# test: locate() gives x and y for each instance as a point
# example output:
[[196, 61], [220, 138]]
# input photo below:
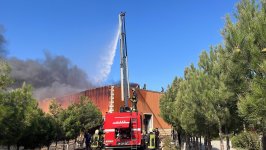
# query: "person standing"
[[87, 137], [151, 140], [157, 137], [95, 140]]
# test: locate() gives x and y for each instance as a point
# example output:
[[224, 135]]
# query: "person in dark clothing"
[[134, 100], [147, 140], [144, 139], [87, 137], [157, 137]]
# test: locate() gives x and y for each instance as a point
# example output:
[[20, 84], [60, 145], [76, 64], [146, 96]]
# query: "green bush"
[[246, 140], [168, 143]]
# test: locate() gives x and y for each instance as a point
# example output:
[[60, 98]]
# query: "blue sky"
[[163, 36]]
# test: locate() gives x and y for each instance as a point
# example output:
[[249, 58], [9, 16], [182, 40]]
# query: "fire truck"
[[123, 129]]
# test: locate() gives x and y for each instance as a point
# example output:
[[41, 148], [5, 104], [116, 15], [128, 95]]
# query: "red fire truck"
[[124, 129]]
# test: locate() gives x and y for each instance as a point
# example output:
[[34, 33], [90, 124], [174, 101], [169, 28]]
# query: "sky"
[[163, 37]]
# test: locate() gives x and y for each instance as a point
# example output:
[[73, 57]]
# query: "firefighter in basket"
[[96, 141], [134, 100], [150, 140]]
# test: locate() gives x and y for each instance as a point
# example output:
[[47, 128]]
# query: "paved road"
[[216, 145]]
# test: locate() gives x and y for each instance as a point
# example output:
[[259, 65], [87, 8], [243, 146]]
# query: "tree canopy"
[[22, 123], [226, 90]]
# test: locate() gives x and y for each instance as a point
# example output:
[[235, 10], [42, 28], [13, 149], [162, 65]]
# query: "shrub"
[[168, 144], [246, 140]]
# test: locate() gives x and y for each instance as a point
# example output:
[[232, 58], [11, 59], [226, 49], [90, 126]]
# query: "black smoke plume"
[[52, 77], [2, 43]]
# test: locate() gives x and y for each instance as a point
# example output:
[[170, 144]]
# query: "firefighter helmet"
[[97, 131]]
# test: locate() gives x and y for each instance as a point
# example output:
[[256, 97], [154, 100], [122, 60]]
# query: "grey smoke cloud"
[[52, 77], [2, 43]]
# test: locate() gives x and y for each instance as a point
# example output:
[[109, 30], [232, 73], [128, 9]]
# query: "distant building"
[[108, 99]]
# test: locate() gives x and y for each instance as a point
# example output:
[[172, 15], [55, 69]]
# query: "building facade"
[[108, 99]]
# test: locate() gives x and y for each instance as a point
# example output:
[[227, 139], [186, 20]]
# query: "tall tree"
[[89, 115], [226, 76], [40, 132], [18, 107], [247, 36], [57, 113], [167, 103], [217, 95], [252, 106], [5, 79], [80, 116]]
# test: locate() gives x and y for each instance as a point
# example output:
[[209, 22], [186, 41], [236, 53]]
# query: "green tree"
[[55, 108], [18, 106], [252, 106], [80, 116], [167, 103], [246, 75], [71, 124], [5, 79], [57, 113], [217, 95], [189, 103], [40, 132], [167, 106], [89, 115]]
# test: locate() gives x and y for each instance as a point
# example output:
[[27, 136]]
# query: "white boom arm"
[[125, 94]]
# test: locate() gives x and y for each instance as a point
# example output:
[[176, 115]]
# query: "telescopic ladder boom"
[[125, 94]]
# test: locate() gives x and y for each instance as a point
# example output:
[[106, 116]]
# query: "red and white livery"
[[123, 129]]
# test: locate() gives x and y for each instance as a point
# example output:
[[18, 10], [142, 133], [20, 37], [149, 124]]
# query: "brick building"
[[108, 99]]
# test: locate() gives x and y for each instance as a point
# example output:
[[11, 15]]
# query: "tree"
[[70, 122], [40, 132], [89, 115], [79, 117], [229, 80], [5, 79], [55, 109], [167, 107], [190, 104], [167, 103], [246, 76], [181, 104], [252, 107], [57, 113], [18, 106]]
